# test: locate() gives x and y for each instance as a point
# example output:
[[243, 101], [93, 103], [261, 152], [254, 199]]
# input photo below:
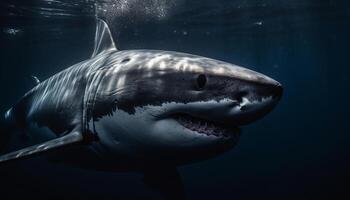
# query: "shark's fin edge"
[[36, 80], [103, 38], [70, 138]]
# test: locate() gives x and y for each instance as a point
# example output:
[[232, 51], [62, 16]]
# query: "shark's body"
[[141, 108]]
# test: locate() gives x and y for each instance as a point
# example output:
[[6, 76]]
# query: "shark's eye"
[[201, 81], [125, 60]]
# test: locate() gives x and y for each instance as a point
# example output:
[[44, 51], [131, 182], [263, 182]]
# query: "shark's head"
[[175, 107]]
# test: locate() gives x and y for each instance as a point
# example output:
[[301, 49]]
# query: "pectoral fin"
[[70, 138]]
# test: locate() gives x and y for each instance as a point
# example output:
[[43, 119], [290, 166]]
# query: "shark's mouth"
[[206, 127]]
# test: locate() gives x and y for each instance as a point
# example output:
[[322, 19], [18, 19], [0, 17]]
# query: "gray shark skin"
[[144, 106], [137, 109]]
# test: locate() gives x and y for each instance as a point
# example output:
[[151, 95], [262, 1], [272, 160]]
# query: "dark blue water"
[[299, 151]]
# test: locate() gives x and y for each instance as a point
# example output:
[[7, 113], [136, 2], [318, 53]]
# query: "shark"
[[144, 110]]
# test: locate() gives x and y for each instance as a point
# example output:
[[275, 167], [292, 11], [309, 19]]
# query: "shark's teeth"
[[205, 127]]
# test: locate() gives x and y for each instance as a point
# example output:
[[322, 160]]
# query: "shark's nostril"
[[277, 91]]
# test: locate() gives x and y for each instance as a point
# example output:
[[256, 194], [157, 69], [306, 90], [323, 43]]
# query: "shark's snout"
[[255, 96]]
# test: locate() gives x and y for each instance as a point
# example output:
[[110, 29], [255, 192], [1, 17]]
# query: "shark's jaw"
[[219, 120], [206, 127]]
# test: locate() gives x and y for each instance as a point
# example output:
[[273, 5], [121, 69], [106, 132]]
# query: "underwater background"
[[299, 151]]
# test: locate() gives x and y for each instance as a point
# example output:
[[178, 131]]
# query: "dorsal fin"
[[103, 38]]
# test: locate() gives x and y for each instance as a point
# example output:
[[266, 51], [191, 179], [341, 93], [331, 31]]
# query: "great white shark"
[[146, 110]]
